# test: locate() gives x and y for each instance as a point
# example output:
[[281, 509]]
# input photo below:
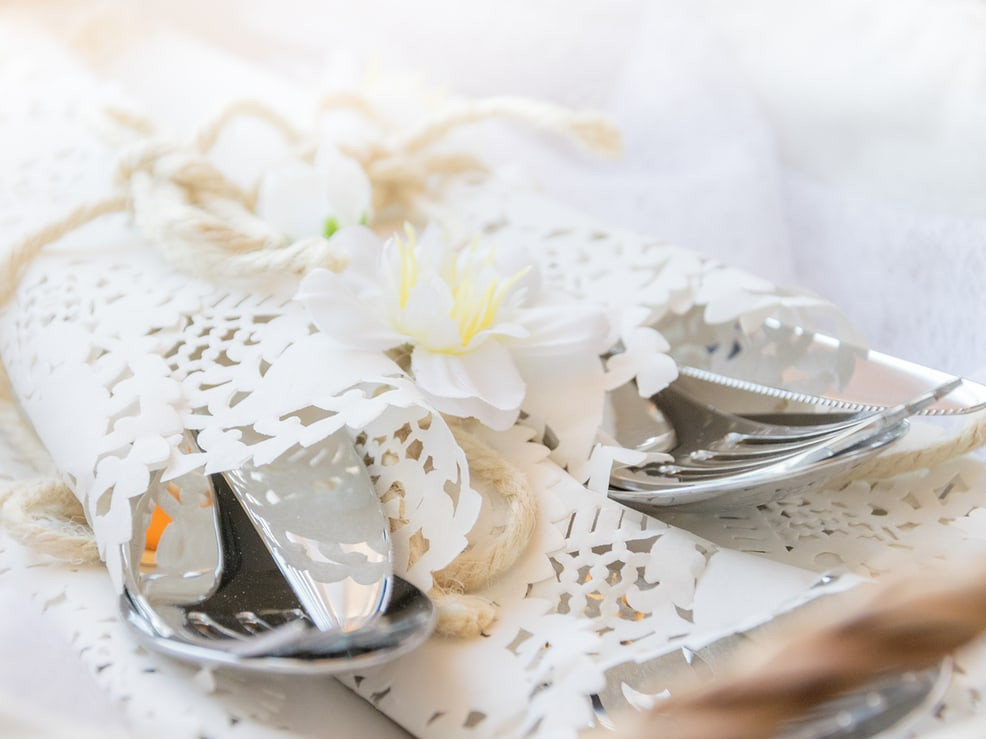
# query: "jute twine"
[[44, 514], [971, 436], [482, 562], [204, 223]]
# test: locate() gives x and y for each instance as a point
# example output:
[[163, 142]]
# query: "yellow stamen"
[[409, 264], [476, 315], [476, 295], [481, 316]]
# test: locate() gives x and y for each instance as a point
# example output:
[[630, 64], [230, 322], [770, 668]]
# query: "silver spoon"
[[250, 584]]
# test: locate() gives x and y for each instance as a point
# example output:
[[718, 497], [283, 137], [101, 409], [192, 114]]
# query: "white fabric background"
[[837, 145], [840, 146]]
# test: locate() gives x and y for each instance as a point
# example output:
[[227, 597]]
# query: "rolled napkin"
[[114, 351]]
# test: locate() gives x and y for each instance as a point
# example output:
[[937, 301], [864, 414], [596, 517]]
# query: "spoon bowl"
[[231, 604]]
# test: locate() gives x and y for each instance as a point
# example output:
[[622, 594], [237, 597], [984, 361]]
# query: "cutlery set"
[[282, 568], [286, 567], [720, 454], [725, 440]]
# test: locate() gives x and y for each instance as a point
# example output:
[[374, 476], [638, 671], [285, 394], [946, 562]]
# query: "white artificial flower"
[[484, 341], [304, 200]]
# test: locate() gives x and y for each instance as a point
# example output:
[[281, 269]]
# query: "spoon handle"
[[318, 514]]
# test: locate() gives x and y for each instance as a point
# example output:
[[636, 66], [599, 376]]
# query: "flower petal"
[[365, 251], [425, 316], [347, 189], [344, 315], [487, 373], [564, 329], [513, 259], [501, 329], [292, 198], [494, 418]]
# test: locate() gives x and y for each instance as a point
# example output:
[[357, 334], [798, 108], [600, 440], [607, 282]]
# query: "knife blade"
[[810, 370]]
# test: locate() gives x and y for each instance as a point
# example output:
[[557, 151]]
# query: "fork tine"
[[252, 623], [726, 451], [714, 468], [705, 465], [825, 446], [884, 420], [792, 433], [256, 635], [739, 447], [278, 639], [209, 628]]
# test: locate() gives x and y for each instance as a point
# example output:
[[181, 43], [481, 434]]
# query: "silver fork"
[[764, 444], [726, 460]]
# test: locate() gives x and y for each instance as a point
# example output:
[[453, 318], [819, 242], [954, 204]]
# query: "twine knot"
[[203, 222]]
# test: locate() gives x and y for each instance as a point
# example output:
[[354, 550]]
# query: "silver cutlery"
[[756, 416], [320, 518], [890, 704], [789, 367], [268, 574], [722, 459], [965, 398]]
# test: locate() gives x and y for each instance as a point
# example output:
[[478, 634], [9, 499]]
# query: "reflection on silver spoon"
[[267, 611]]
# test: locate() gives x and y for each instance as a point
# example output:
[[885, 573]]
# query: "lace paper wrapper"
[[113, 354]]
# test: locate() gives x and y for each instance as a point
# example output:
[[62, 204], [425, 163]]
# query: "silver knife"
[[789, 369]]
